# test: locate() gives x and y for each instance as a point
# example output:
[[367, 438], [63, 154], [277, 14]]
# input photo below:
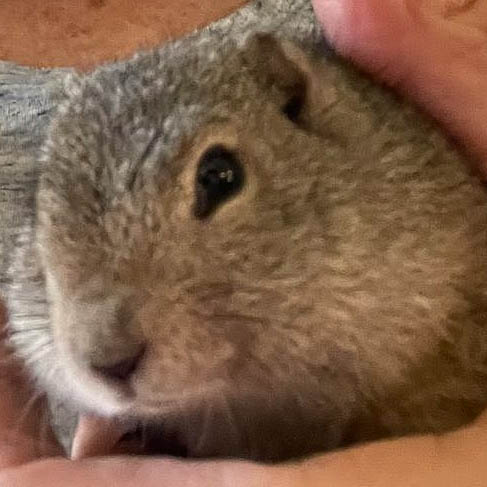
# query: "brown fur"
[[339, 297]]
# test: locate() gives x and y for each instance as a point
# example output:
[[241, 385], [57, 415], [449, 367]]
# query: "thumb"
[[374, 32], [364, 30]]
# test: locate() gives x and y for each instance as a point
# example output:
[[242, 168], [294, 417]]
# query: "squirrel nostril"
[[121, 370]]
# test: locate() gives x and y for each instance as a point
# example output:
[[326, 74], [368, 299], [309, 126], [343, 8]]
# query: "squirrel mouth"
[[97, 436]]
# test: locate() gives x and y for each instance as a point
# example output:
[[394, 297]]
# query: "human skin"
[[438, 57]]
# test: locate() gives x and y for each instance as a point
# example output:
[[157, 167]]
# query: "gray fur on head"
[[338, 297]]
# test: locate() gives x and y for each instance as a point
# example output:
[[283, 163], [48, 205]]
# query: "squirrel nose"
[[121, 370]]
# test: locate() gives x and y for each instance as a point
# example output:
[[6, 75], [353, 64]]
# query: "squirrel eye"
[[293, 108], [219, 177]]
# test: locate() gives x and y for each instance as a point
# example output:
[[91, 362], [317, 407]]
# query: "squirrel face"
[[254, 228], [179, 262]]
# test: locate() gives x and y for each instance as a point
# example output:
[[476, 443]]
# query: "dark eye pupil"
[[213, 177], [292, 109], [219, 176]]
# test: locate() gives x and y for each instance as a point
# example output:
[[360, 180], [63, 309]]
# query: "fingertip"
[[332, 17], [370, 32]]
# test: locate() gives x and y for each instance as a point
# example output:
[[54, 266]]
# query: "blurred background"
[[83, 33]]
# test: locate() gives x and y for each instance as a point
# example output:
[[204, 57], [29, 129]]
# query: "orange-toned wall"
[[83, 33]]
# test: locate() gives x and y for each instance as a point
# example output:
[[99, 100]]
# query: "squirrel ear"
[[278, 63]]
